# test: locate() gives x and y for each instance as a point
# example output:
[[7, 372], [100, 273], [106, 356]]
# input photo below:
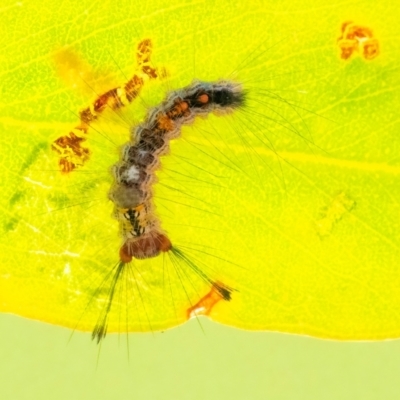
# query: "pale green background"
[[39, 362]]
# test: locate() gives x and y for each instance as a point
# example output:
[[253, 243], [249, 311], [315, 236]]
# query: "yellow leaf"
[[291, 201]]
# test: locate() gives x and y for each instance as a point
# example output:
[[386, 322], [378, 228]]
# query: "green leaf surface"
[[291, 201]]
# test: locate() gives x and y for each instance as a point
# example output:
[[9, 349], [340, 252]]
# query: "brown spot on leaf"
[[357, 39], [69, 147], [333, 213]]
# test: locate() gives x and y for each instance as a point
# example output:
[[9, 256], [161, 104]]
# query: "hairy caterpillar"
[[134, 174]]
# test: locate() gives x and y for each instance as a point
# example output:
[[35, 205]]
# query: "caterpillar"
[[132, 195]]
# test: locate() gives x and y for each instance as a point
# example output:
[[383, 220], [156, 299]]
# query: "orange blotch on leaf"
[[204, 306], [357, 38]]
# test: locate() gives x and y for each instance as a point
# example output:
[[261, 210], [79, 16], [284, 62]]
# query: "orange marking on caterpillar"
[[204, 98], [357, 38], [69, 147], [205, 305], [179, 110], [147, 246], [165, 123]]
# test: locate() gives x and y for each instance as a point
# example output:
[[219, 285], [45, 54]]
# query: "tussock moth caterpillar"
[[134, 175]]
